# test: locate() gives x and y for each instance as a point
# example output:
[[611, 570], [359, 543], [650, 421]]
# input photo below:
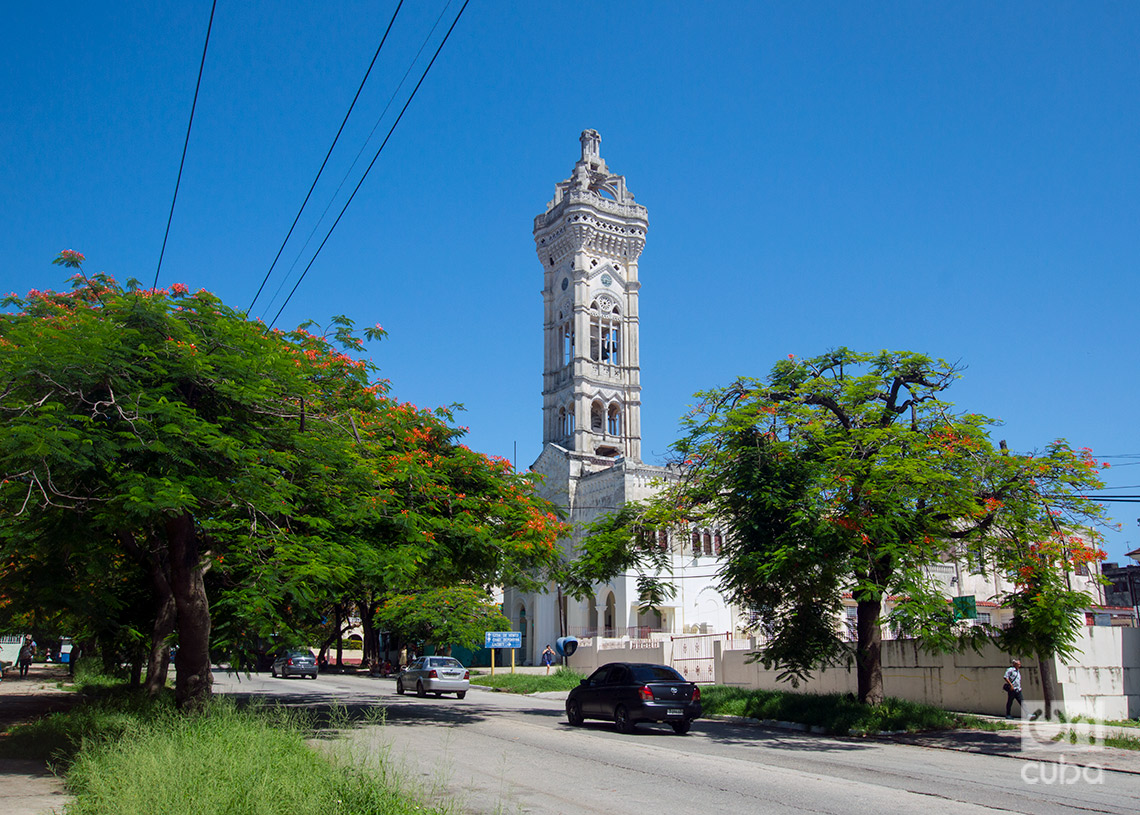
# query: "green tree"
[[443, 617], [160, 428], [1043, 532], [849, 472]]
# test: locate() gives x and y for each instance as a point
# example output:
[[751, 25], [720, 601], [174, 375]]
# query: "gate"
[[693, 655]]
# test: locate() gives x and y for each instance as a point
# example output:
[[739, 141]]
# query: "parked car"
[[294, 662], [438, 675], [626, 693]]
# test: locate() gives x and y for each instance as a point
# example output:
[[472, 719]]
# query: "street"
[[504, 753]]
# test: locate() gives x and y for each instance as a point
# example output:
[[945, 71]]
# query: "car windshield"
[[656, 673]]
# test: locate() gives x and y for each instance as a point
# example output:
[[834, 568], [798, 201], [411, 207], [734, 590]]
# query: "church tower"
[[588, 241]]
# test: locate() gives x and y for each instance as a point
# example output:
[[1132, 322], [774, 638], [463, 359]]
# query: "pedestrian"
[[1012, 688], [24, 658], [548, 657]]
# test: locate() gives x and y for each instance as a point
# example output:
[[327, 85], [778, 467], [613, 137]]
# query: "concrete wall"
[[1104, 681], [588, 657]]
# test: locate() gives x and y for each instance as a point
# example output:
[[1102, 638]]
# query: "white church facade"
[[589, 242]]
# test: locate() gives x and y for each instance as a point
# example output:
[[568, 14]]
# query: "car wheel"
[[420, 689], [681, 728], [273, 671], [622, 721], [574, 714], [439, 694], [460, 694], [399, 687]]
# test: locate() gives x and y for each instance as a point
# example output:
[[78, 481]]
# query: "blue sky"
[[959, 181]]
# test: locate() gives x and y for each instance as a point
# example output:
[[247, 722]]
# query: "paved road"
[[501, 753]]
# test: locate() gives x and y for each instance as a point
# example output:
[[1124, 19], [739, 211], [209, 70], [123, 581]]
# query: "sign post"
[[502, 639]]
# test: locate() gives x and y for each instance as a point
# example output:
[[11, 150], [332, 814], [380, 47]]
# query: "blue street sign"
[[502, 639]]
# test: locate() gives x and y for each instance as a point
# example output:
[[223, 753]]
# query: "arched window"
[[613, 420], [696, 540], [605, 333], [611, 615], [662, 539], [708, 542], [596, 417], [570, 421], [566, 332], [563, 425], [716, 542]]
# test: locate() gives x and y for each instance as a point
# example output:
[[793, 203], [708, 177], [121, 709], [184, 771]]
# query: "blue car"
[[626, 693]]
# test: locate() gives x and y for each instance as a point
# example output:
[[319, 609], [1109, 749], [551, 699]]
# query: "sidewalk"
[[29, 786], [1035, 741]]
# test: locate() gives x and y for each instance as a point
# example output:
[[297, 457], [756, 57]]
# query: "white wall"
[[1104, 681]]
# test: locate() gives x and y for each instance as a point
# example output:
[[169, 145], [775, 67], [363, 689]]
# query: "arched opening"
[[611, 615], [596, 421], [613, 420], [521, 622], [695, 540]]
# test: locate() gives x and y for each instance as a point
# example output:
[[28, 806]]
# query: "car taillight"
[[645, 693], [696, 694], [432, 674], [289, 662], [467, 674]]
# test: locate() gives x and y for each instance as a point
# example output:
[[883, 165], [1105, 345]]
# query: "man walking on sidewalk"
[[1012, 686]]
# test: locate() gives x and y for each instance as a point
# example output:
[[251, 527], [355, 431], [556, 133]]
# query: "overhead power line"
[[293, 226], [185, 145], [371, 164], [356, 159]]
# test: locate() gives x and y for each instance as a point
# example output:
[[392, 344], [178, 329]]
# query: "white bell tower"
[[588, 241]]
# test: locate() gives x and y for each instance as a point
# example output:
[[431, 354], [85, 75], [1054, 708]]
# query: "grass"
[[562, 679], [126, 754], [836, 713]]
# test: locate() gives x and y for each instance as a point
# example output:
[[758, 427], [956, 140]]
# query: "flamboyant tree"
[[163, 428], [850, 473]]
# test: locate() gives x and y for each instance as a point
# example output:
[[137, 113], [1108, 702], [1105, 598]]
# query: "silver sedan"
[[438, 675]]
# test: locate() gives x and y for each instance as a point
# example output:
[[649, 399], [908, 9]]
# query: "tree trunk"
[[157, 568], [193, 680], [371, 646], [869, 652], [158, 661], [340, 636], [1045, 666]]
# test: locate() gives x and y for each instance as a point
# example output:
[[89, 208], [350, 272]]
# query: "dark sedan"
[[626, 693]]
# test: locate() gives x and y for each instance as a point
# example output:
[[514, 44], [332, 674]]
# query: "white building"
[[589, 241]]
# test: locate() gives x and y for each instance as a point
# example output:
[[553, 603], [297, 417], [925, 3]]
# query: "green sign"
[[965, 608]]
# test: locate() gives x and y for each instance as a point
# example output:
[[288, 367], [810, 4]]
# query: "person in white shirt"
[[1012, 687]]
